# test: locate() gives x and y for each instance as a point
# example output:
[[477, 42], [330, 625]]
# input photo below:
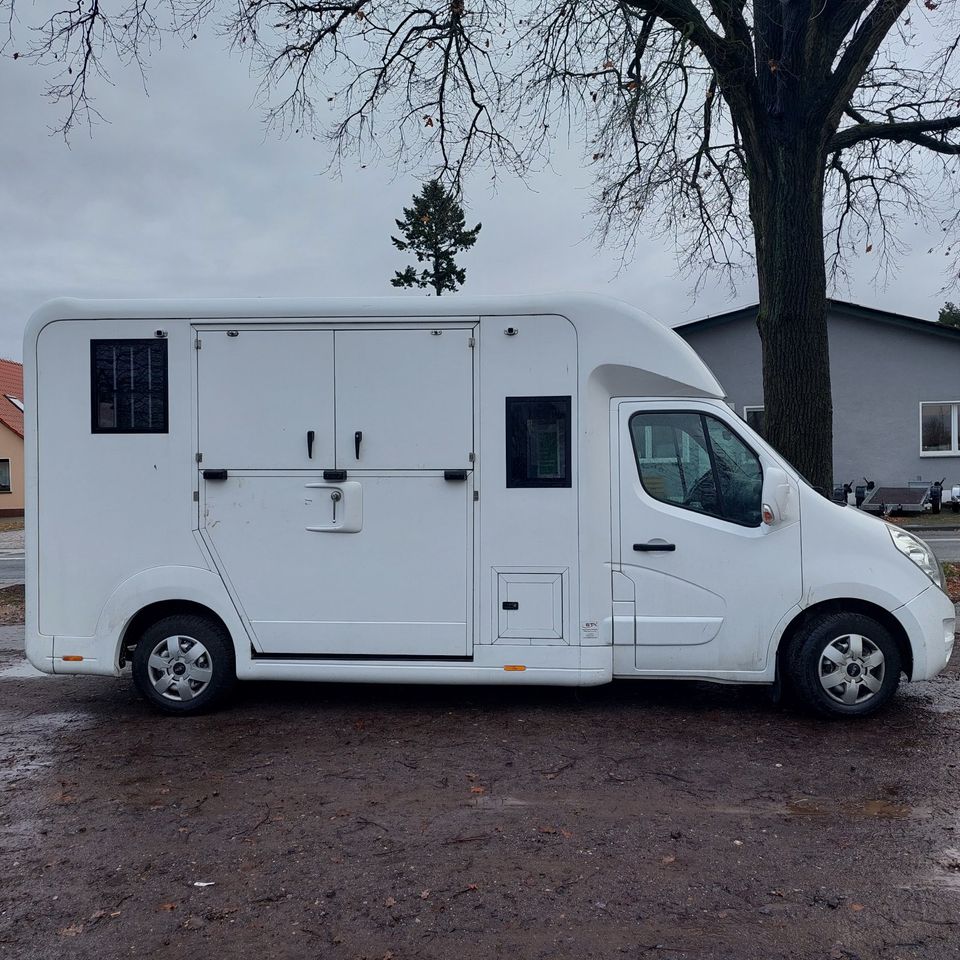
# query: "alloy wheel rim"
[[852, 668], [180, 668]]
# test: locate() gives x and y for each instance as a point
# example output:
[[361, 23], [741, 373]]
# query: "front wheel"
[[184, 664], [844, 664]]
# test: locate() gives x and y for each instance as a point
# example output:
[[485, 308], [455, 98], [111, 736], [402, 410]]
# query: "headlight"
[[914, 548]]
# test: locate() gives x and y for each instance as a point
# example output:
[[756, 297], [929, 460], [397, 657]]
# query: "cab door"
[[710, 580]]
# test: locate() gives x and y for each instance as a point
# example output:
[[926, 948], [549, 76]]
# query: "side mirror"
[[776, 495]]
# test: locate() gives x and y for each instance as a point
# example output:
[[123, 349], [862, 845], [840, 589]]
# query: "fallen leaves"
[[566, 834]]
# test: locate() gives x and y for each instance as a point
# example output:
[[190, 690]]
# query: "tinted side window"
[[128, 381], [696, 462], [538, 442]]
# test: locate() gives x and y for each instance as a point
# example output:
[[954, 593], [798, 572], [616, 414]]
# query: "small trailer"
[[544, 490], [915, 497]]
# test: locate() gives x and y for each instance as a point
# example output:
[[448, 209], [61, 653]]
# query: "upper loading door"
[[265, 399], [404, 399]]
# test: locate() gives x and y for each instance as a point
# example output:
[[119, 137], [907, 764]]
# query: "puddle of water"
[[29, 744], [24, 670], [857, 809], [499, 802]]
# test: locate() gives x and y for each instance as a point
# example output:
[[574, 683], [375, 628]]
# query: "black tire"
[[197, 676], [828, 647]]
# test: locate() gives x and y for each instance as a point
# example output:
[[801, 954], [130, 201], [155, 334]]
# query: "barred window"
[[129, 386]]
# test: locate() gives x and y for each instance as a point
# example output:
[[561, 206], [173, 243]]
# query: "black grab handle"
[[311, 435], [655, 547]]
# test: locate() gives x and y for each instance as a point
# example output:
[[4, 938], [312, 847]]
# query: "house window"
[[538, 442], [938, 429], [16, 402], [756, 419], [129, 386], [698, 464], [4, 476]]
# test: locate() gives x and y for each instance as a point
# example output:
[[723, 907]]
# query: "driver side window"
[[697, 462]]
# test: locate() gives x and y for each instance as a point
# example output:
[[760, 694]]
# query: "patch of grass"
[[10, 523], [946, 518], [951, 581], [11, 604]]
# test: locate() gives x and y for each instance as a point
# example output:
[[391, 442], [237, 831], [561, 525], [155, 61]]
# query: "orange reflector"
[[73, 659], [514, 666]]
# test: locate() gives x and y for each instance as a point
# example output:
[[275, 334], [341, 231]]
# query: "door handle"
[[346, 499], [357, 438], [655, 547], [310, 438]]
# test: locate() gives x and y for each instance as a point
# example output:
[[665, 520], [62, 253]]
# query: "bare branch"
[[913, 131]]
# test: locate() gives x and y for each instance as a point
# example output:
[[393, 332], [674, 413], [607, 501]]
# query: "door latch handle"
[[357, 438], [311, 435], [655, 547]]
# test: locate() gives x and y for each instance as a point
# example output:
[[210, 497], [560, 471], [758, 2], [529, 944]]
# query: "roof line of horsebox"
[[609, 331]]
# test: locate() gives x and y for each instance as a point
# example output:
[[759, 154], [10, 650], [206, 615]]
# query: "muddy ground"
[[635, 820]]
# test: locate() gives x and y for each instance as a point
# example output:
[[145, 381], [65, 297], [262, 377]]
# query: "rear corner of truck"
[[38, 648]]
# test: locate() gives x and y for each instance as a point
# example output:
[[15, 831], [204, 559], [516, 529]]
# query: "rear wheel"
[[844, 664], [184, 664]]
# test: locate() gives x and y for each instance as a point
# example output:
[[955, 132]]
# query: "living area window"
[[4, 476], [128, 380], [938, 429]]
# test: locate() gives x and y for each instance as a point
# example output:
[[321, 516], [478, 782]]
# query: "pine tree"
[[433, 228], [949, 315]]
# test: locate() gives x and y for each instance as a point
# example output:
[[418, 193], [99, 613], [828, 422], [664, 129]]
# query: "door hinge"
[[472, 457], [476, 495], [472, 342], [196, 496], [198, 457], [198, 343]]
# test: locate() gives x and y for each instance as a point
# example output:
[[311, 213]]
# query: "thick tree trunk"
[[786, 206]]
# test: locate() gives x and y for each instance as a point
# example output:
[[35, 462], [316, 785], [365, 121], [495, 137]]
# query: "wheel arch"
[[153, 612], [159, 591], [847, 605]]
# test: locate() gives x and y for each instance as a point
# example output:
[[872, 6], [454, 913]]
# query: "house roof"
[[837, 308], [11, 385]]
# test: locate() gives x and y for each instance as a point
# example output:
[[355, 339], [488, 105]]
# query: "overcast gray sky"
[[182, 194]]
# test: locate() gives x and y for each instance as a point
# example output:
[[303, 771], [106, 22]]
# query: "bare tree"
[[792, 132]]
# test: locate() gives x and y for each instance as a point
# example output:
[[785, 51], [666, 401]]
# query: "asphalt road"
[[11, 569], [945, 545], [640, 820]]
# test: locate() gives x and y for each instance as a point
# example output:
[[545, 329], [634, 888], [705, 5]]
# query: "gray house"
[[896, 388]]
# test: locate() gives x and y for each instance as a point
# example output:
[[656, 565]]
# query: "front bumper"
[[929, 620]]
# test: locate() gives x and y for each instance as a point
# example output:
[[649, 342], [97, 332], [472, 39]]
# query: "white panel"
[[109, 504], [410, 394], [539, 605], [534, 529], [260, 393], [343, 638], [397, 586]]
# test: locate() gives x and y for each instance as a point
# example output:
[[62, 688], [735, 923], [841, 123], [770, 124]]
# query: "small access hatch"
[[530, 605]]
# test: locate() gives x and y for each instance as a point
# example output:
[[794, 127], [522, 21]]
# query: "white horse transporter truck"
[[543, 490]]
